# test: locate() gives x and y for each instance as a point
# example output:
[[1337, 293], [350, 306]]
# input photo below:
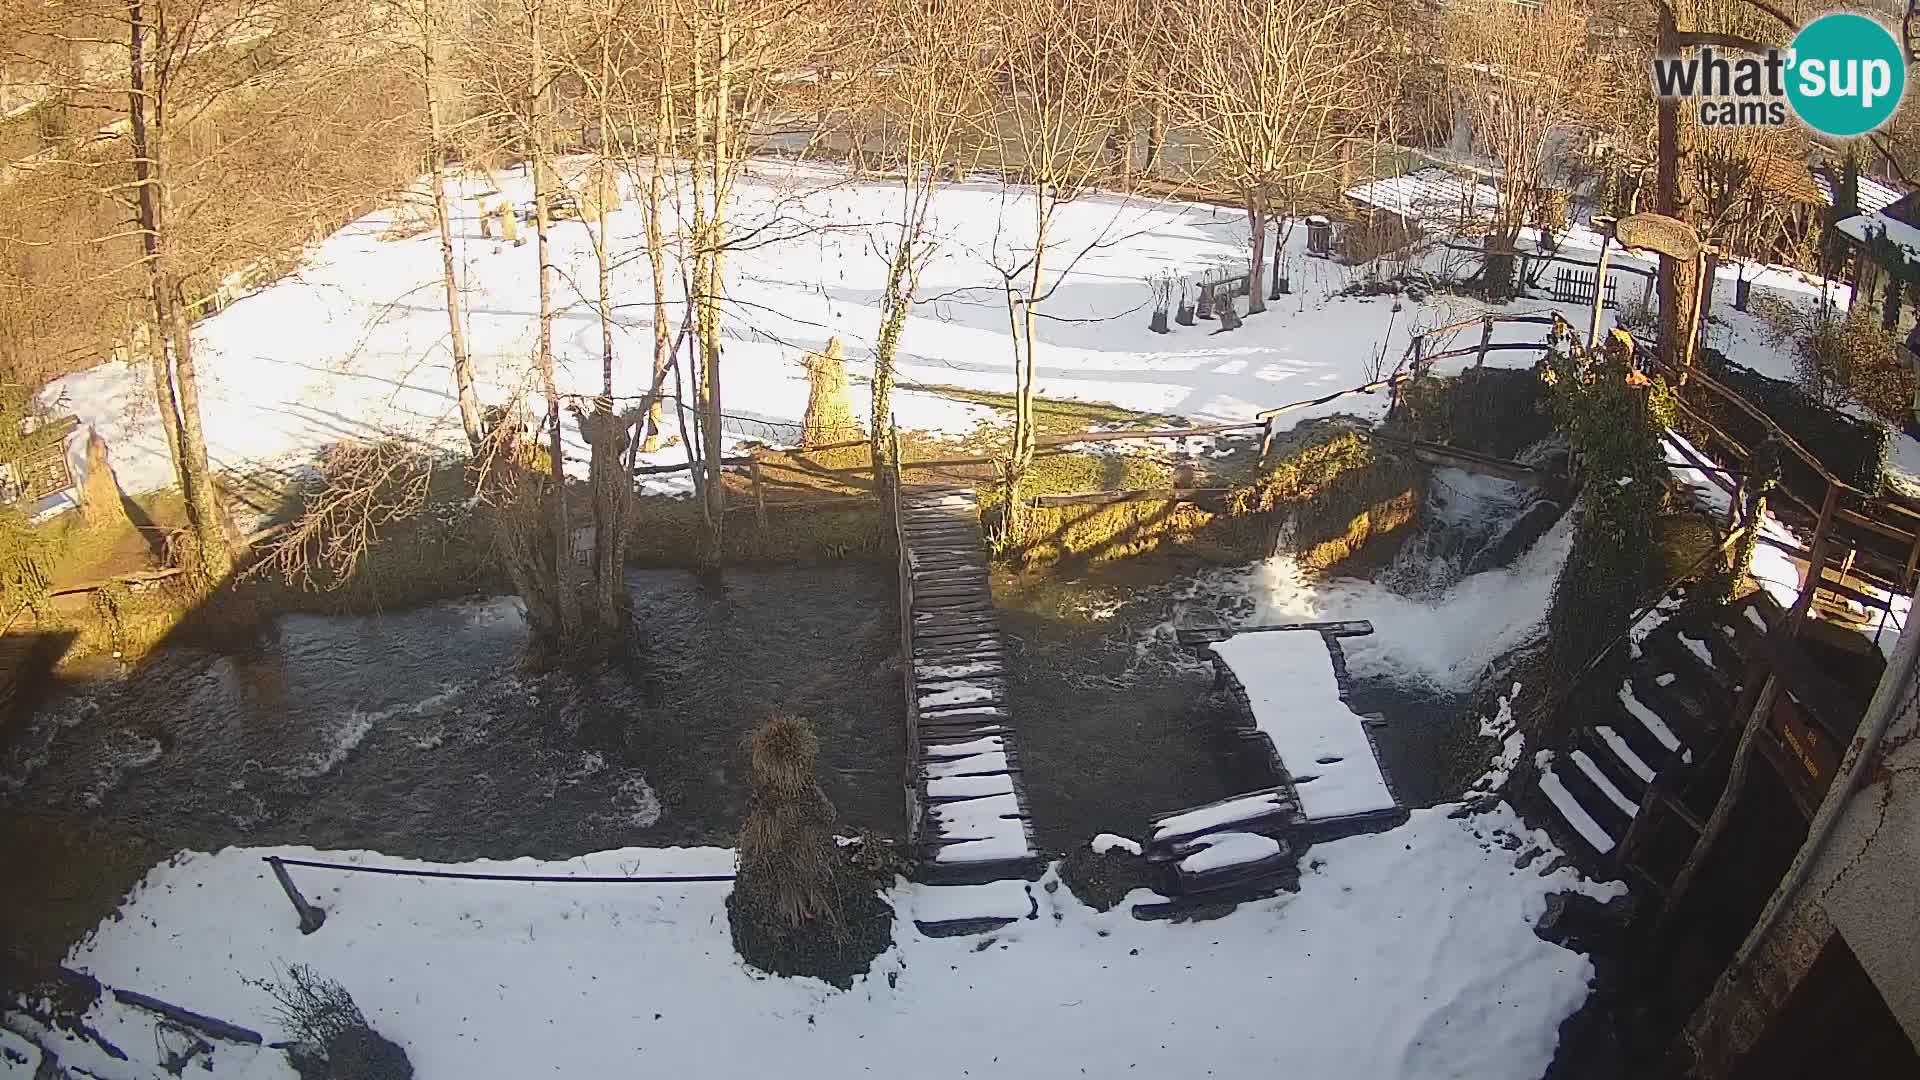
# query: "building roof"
[[1873, 195], [1428, 195]]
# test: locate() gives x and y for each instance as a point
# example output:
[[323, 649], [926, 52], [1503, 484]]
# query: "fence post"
[[1816, 562], [311, 917], [1599, 292], [1486, 339], [1266, 447], [759, 496]]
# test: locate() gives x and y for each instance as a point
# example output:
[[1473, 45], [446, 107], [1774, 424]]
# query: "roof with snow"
[[1872, 196], [1431, 195], [1296, 700], [1895, 221]]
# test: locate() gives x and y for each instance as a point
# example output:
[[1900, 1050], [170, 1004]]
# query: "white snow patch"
[[952, 903], [1624, 753], [1604, 783], [1648, 718], [18, 1058], [1758, 620], [957, 694], [1699, 649], [1226, 812], [972, 765], [1107, 842], [1408, 954], [1665, 678], [1289, 679], [1221, 850], [988, 744], [1569, 808]]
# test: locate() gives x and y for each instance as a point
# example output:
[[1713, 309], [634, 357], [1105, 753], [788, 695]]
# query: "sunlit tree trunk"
[[175, 379]]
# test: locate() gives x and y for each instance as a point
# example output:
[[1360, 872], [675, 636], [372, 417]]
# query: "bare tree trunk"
[[657, 253], [1023, 323], [180, 404], [1676, 275], [442, 219], [1156, 136], [566, 598], [895, 305], [711, 284], [1256, 249]]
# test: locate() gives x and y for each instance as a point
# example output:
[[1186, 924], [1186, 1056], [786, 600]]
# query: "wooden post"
[[1722, 810], [1599, 294], [311, 918], [1486, 339], [1913, 564], [759, 496], [1816, 562], [1266, 447]]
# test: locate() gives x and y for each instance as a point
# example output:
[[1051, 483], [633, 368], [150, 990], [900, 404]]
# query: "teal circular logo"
[[1845, 75]]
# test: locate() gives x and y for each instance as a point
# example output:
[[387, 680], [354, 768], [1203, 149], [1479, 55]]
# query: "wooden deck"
[[966, 798]]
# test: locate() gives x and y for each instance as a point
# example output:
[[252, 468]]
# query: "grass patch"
[[1056, 416]]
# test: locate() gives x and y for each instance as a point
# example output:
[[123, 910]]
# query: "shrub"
[[1613, 418], [1848, 359], [1853, 449], [330, 1037], [26, 564]]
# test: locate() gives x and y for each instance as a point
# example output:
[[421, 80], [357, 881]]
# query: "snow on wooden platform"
[[1606, 785], [1004, 900], [1295, 696], [1570, 809], [1217, 851], [1271, 803], [1648, 718], [967, 799], [1625, 753]]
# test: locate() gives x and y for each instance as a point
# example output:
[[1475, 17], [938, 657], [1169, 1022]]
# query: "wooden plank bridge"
[[966, 798]]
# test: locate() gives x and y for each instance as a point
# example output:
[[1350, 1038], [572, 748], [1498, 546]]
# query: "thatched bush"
[[99, 494], [829, 419], [798, 906], [329, 1037]]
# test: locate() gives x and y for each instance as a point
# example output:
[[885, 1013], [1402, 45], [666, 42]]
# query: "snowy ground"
[[1405, 954], [353, 344]]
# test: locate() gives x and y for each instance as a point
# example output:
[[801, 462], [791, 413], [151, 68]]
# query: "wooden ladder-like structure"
[[966, 798]]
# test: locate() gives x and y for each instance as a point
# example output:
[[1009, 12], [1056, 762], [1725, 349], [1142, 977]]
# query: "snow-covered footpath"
[[1405, 954]]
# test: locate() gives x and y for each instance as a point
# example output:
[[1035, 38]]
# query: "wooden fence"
[[1579, 287]]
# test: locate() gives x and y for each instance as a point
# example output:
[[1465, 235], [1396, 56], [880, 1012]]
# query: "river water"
[[416, 732]]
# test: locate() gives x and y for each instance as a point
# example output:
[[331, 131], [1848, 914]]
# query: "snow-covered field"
[[1405, 954], [353, 344]]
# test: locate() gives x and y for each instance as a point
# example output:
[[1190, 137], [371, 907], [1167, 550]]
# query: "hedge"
[[1852, 449]]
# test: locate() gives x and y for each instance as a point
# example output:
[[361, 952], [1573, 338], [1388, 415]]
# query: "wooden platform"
[[966, 797], [1274, 812]]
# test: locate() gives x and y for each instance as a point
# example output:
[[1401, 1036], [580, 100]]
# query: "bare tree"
[[1522, 75], [425, 26], [1049, 65], [735, 52], [1270, 86], [928, 88]]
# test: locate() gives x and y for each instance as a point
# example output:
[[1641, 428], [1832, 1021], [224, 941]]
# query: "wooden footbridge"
[[966, 799]]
